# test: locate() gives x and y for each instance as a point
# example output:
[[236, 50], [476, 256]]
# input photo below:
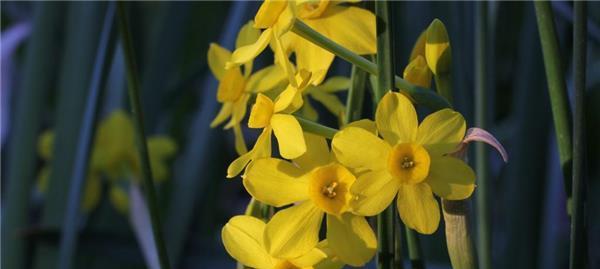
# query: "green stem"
[[420, 95], [481, 161], [443, 86], [414, 249], [136, 110], [356, 94], [561, 112], [385, 83], [315, 128], [578, 250]]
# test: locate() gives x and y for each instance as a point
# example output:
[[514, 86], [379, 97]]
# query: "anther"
[[329, 190], [407, 163]]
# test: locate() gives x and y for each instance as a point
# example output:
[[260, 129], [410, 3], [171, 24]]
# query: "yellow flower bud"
[[417, 72], [437, 48]]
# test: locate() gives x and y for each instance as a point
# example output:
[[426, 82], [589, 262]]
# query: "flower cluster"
[[365, 166], [114, 158]]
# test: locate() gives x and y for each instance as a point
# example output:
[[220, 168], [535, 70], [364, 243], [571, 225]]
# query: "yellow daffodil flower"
[[325, 94], [318, 186], [243, 238], [235, 88], [349, 26], [410, 161], [113, 157], [274, 117]]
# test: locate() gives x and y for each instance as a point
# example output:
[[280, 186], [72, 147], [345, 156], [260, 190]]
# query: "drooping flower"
[[351, 27], [113, 157], [275, 117], [243, 239], [411, 161], [235, 88], [318, 186]]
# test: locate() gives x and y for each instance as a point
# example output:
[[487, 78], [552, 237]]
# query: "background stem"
[[414, 249], [356, 95], [557, 88], [481, 157], [136, 110], [578, 250]]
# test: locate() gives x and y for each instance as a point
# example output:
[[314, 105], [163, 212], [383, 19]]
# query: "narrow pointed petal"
[[243, 239], [293, 231], [396, 119], [441, 132], [240, 143], [223, 114], [418, 209], [249, 52], [275, 182], [289, 135], [481, 135], [217, 57], [351, 239], [451, 178], [317, 152], [360, 149], [374, 192]]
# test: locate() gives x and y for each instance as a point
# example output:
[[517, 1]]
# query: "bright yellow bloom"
[[325, 94], [243, 237], [235, 88], [351, 27], [274, 117], [114, 157], [410, 161], [437, 48], [317, 185]]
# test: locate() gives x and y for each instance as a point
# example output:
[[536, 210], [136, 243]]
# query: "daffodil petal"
[[373, 191], [243, 239], [281, 57], [317, 152], [451, 178], [396, 119], [266, 79], [330, 101], [268, 13], [335, 84], [418, 209], [313, 58], [217, 57], [238, 111], [309, 259], [249, 52], [275, 182], [223, 114], [262, 149], [360, 149], [366, 124], [419, 47], [441, 131], [293, 231], [240, 143], [351, 239], [289, 135], [308, 111], [351, 27]]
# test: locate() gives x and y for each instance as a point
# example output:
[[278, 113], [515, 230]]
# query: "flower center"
[[329, 188], [409, 163], [313, 10]]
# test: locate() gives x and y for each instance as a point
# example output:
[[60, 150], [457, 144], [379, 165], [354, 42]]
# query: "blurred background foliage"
[[48, 55]]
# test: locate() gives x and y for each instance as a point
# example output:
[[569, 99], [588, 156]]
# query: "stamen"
[[407, 163], [329, 190]]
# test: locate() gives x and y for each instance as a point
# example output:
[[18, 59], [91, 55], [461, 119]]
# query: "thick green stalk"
[[39, 72], [70, 228], [414, 249], [561, 112], [315, 128], [578, 250], [481, 157], [356, 95], [385, 83], [420, 95], [136, 110]]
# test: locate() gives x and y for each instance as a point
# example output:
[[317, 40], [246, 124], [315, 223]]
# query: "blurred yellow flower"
[[410, 161], [243, 238], [235, 88], [316, 185], [114, 157], [274, 117], [325, 94]]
